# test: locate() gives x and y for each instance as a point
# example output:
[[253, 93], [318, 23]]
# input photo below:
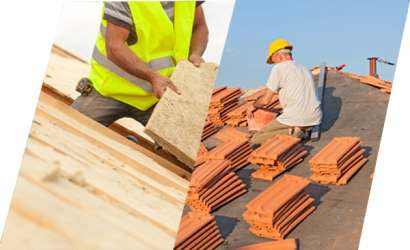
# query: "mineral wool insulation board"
[[178, 120], [81, 186]]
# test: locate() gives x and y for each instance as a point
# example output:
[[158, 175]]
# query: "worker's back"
[[297, 94]]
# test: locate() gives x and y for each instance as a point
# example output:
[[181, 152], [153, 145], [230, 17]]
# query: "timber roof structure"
[[84, 186]]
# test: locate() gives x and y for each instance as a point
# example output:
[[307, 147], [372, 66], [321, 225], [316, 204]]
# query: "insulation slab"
[[178, 120]]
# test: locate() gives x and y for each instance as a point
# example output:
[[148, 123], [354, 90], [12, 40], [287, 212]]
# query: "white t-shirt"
[[297, 94]]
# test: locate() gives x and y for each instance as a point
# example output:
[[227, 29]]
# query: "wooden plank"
[[79, 229], [119, 188], [82, 198], [320, 90], [119, 127], [91, 129]]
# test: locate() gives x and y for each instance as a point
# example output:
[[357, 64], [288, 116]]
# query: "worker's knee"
[[258, 139]]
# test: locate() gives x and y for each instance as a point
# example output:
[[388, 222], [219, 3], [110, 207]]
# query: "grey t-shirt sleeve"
[[119, 12]]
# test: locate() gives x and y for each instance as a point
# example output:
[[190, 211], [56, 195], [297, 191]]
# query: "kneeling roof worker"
[[297, 95]]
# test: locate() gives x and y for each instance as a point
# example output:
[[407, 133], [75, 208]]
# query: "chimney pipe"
[[372, 62]]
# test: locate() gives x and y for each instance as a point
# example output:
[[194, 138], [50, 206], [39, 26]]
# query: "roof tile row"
[[209, 129], [197, 231], [235, 151], [223, 101], [238, 117], [213, 184], [384, 86], [338, 161], [288, 244], [227, 95], [276, 155], [232, 134], [278, 209]]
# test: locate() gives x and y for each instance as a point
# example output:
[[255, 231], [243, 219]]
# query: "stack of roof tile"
[[232, 134], [288, 244], [278, 209], [200, 156], [198, 231], [209, 129], [338, 161], [222, 102], [237, 151], [384, 86], [276, 155], [212, 185], [237, 117], [274, 104]]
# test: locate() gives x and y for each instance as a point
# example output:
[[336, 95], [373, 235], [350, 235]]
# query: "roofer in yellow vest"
[[138, 46]]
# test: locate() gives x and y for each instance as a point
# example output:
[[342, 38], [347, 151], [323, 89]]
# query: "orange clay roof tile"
[[275, 147], [223, 150], [269, 201], [277, 210], [335, 150], [208, 171], [288, 244], [190, 224], [197, 231], [232, 134], [198, 236], [331, 167]]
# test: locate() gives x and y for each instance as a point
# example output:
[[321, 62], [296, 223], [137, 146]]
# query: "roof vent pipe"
[[373, 71]]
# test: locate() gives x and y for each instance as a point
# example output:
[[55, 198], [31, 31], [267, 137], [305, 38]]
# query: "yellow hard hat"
[[275, 46]]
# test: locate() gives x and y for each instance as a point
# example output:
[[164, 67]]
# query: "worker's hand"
[[250, 110], [160, 84], [196, 59]]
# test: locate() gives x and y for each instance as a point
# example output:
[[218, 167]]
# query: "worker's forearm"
[[199, 40], [259, 104], [122, 56]]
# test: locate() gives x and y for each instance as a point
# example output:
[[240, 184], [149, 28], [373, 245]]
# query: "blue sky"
[[335, 32]]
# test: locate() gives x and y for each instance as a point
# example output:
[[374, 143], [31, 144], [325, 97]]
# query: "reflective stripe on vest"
[[155, 64], [161, 44]]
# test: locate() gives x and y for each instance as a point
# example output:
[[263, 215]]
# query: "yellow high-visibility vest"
[[161, 44]]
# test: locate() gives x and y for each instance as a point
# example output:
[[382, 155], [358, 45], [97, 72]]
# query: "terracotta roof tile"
[[288, 244], [235, 151], [278, 209], [190, 224], [338, 161], [217, 90], [197, 231], [200, 155], [232, 134], [209, 129], [384, 86], [213, 184], [209, 171], [276, 156], [225, 96]]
